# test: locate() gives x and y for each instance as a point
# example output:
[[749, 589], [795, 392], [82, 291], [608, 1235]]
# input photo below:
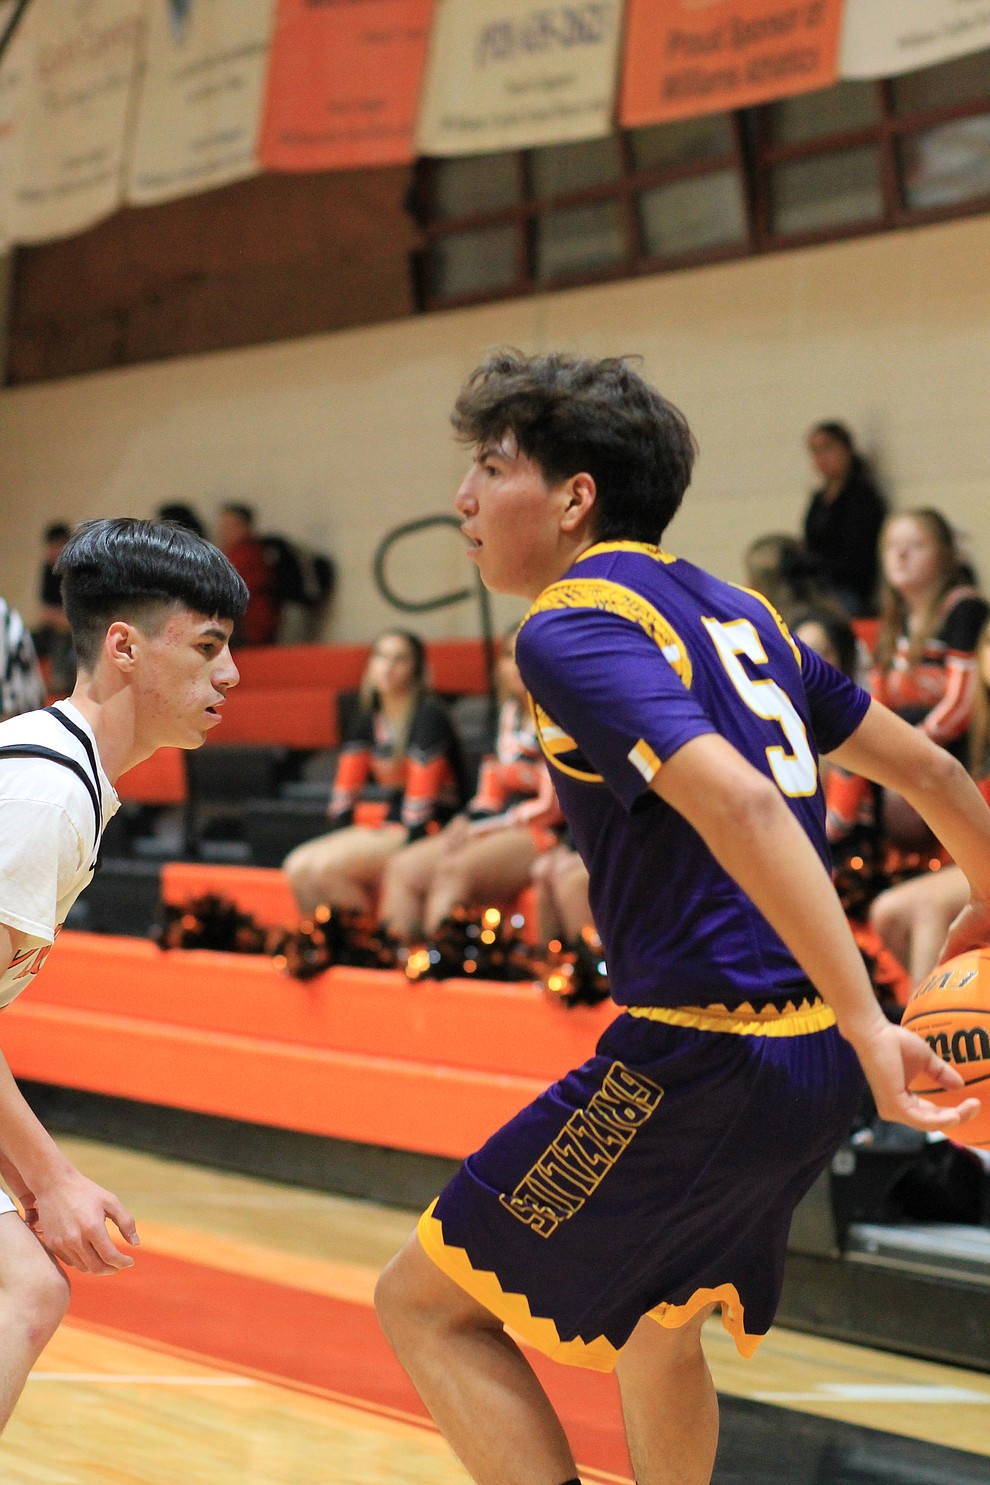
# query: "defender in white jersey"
[[150, 607]]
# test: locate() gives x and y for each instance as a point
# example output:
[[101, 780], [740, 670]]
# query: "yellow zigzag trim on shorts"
[[598, 1355], [742, 1020], [671, 1317]]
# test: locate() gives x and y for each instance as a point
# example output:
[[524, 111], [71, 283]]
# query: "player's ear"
[[119, 644], [581, 496]]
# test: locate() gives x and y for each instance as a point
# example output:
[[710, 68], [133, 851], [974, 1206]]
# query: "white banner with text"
[[200, 107], [509, 74], [70, 146], [881, 38]]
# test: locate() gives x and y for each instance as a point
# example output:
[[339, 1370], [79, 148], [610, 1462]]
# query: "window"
[[836, 190], [857, 157], [693, 215]]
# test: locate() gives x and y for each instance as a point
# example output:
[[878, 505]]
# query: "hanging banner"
[[200, 105], [77, 106], [343, 83], [511, 74], [883, 37], [688, 57], [13, 71]]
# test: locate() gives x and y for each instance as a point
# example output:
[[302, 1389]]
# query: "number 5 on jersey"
[[796, 772]]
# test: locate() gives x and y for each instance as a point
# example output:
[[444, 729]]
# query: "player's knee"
[[412, 1297], [42, 1300], [395, 1303], [653, 1348]]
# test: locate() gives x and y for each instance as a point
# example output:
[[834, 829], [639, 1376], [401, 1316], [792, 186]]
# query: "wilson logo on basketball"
[[963, 1046]]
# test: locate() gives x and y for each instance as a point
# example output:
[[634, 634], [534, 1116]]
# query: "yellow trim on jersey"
[[733, 1315], [645, 548], [775, 616], [614, 598], [554, 742], [643, 758], [742, 1020], [598, 1355]]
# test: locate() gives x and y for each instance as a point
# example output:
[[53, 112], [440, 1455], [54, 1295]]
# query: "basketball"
[[951, 1010]]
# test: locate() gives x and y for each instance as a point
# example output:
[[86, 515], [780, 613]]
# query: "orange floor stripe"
[[314, 1341]]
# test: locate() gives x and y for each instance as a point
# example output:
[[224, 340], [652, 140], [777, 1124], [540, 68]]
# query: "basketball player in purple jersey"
[[683, 724]]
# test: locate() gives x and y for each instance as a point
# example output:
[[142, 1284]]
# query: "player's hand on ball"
[[895, 1057]]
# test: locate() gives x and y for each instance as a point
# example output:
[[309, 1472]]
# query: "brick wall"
[[271, 258]]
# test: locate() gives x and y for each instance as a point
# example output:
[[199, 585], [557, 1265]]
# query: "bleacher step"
[[940, 1249]]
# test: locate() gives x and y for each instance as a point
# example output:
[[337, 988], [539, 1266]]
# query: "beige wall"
[[338, 438]]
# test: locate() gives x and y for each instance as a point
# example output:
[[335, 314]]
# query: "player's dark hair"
[[57, 531], [122, 568], [571, 415]]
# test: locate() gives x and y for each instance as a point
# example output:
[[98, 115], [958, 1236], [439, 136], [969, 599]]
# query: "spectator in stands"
[[486, 854], [780, 568], [843, 520], [398, 777], [236, 538], [52, 640], [22, 688], [924, 661], [924, 665], [176, 513], [913, 917]]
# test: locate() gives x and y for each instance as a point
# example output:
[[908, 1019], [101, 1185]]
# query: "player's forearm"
[[11, 1176], [749, 829], [771, 858], [25, 1143]]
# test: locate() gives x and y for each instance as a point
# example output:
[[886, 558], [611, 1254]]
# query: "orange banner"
[[689, 57], [343, 83]]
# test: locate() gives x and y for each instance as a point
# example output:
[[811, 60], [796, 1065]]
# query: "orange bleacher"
[[287, 694], [160, 779], [360, 1055], [262, 891]]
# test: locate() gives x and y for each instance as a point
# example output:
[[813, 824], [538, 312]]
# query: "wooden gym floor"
[[242, 1350]]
